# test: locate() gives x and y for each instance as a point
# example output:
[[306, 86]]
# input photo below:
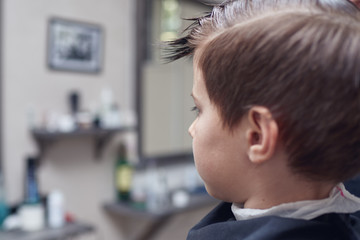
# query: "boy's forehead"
[[199, 88], [196, 58], [199, 50], [196, 81]]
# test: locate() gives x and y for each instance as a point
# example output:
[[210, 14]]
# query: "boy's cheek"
[[203, 167]]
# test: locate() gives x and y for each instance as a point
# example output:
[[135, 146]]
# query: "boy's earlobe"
[[261, 135], [356, 2]]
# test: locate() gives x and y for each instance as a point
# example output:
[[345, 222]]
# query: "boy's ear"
[[356, 2], [262, 134]]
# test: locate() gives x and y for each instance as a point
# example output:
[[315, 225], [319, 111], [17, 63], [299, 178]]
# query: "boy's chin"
[[218, 195]]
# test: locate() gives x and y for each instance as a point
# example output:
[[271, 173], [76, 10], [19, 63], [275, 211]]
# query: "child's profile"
[[277, 94]]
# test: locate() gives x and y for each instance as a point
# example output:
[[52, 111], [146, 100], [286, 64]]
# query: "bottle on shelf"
[[31, 212], [4, 211], [123, 175], [31, 183], [55, 209]]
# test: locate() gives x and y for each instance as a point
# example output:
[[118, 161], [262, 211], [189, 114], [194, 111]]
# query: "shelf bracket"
[[100, 142]]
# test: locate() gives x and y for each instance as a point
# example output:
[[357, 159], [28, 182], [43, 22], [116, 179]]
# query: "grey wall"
[[69, 165]]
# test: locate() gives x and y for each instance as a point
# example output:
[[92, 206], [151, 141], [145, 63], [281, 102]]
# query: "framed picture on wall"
[[74, 46]]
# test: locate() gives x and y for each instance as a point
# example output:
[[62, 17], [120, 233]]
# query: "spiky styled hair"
[[231, 12]]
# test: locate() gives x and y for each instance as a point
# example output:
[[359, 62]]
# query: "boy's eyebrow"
[[192, 95], [195, 99]]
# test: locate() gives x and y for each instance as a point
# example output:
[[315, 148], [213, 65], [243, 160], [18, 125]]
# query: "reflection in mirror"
[[165, 101]]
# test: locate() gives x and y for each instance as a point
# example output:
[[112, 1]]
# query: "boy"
[[277, 92]]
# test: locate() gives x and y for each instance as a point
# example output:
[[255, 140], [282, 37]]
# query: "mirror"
[[164, 102]]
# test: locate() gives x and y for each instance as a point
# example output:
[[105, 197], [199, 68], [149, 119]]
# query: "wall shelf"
[[45, 138], [66, 232], [159, 218]]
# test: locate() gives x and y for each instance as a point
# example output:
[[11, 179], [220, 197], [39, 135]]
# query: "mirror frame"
[[1, 83], [140, 54], [142, 33]]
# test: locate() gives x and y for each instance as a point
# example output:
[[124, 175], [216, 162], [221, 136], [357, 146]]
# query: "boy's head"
[[301, 62]]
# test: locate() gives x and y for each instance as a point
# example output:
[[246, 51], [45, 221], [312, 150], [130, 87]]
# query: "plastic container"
[[32, 217], [55, 208]]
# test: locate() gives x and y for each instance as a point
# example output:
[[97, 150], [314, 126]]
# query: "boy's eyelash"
[[196, 110]]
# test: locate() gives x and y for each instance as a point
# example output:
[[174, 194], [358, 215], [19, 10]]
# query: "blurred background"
[[93, 124]]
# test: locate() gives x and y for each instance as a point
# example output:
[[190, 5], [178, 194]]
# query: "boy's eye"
[[196, 110]]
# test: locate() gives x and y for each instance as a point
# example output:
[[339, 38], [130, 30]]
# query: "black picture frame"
[[74, 46]]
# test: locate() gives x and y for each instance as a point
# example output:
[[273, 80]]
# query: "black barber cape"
[[220, 224]]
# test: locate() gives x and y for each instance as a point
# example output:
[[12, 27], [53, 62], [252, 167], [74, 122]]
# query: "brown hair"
[[302, 65]]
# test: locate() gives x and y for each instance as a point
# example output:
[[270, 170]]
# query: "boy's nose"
[[191, 129]]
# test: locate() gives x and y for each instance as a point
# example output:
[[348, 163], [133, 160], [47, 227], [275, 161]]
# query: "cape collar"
[[339, 201]]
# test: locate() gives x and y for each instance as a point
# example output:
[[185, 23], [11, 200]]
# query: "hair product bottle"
[[31, 211], [123, 175], [31, 185], [55, 207]]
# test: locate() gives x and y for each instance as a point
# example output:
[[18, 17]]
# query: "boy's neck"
[[277, 195], [275, 184]]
